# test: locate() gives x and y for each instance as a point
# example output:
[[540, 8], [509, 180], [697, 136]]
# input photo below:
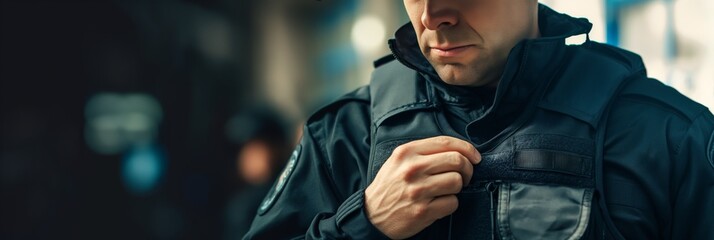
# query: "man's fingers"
[[442, 184], [448, 162], [444, 144], [443, 206]]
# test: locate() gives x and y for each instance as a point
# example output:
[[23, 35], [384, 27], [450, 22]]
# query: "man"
[[488, 126], [262, 146]]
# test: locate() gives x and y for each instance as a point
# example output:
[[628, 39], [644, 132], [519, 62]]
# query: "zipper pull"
[[492, 187]]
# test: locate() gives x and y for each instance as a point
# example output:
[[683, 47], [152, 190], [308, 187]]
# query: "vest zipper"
[[492, 188]]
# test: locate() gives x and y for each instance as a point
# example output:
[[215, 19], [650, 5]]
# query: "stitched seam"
[[624, 205], [327, 164], [584, 217], [351, 204], [710, 153], [389, 113], [659, 106], [689, 130]]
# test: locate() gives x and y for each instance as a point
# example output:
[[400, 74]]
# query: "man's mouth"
[[451, 51]]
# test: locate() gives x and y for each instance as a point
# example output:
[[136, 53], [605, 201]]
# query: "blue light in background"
[[335, 63], [613, 18], [329, 20], [142, 168]]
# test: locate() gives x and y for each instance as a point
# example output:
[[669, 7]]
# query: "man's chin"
[[458, 82], [460, 75], [452, 75]]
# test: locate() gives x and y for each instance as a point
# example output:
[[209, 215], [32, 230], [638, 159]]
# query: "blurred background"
[[167, 119]]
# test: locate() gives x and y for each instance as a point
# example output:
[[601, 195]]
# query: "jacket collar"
[[554, 27], [530, 64]]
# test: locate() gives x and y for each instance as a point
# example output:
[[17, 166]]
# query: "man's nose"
[[437, 14]]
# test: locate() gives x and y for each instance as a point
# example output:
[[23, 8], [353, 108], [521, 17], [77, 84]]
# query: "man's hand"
[[418, 184]]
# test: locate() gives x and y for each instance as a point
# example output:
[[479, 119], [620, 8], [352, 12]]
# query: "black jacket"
[[657, 147]]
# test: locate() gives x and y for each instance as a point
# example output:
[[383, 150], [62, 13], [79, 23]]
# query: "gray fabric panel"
[[528, 211]]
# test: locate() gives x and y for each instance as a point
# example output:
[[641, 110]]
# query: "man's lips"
[[449, 51]]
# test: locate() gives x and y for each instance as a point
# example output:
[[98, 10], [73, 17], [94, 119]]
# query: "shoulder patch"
[[710, 150], [280, 182]]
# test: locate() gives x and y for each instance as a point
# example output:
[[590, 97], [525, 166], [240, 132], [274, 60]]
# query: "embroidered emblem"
[[280, 183], [711, 150]]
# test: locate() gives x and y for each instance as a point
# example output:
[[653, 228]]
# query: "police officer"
[[488, 126]]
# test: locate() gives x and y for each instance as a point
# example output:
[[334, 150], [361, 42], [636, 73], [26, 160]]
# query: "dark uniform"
[[576, 142]]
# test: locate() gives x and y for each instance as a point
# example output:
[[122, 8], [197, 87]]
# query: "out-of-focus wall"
[[112, 116], [673, 37], [593, 10], [693, 69], [314, 51]]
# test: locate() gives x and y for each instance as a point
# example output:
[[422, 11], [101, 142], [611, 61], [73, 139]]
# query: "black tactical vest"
[[541, 174]]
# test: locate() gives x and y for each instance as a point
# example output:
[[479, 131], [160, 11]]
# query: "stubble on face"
[[455, 54], [468, 42]]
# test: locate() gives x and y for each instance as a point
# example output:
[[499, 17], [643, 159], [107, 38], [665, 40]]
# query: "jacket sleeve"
[[322, 195], [693, 187], [659, 178]]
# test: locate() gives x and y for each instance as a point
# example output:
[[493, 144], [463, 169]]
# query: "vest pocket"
[[528, 211]]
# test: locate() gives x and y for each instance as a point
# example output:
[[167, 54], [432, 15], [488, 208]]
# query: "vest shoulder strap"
[[617, 70], [361, 94], [594, 75], [396, 88]]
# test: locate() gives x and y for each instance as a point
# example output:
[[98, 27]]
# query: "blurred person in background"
[[487, 125], [263, 144]]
